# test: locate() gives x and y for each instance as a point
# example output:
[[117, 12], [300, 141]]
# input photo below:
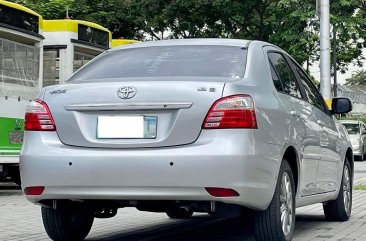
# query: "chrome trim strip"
[[129, 106]]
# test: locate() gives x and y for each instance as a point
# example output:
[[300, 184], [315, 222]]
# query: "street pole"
[[325, 86], [67, 13], [335, 60]]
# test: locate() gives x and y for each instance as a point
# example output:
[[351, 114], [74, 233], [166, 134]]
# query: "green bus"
[[21, 53]]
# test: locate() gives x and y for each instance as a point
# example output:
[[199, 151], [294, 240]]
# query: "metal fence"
[[358, 96], [355, 96]]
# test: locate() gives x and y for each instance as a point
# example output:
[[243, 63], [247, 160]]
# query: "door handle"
[[295, 114], [321, 123]]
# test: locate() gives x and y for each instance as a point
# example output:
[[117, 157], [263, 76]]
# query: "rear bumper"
[[219, 158], [356, 150]]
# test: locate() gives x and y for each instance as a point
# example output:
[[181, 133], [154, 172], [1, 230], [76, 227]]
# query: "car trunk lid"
[[162, 113]]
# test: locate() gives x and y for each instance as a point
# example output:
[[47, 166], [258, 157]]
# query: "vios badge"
[[126, 92]]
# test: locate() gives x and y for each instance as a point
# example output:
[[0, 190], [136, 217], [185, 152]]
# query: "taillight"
[[38, 117], [235, 111]]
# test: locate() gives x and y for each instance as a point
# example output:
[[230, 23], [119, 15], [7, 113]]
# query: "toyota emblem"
[[126, 92]]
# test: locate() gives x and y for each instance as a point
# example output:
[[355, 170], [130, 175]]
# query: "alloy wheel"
[[346, 189], [286, 204]]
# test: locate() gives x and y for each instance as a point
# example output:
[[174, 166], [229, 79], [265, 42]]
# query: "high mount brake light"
[[38, 117], [235, 111]]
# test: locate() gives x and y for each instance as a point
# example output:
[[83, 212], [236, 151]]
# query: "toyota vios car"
[[183, 126], [357, 133]]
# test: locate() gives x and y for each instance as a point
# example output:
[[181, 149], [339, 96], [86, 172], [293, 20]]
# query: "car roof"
[[197, 41]]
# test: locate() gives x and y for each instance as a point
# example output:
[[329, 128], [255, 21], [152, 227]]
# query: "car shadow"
[[310, 218], [207, 228], [7, 189], [197, 228], [313, 223]]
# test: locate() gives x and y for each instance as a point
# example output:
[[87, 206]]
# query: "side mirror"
[[341, 105]]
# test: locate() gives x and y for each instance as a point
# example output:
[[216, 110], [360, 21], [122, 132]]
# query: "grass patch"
[[360, 187]]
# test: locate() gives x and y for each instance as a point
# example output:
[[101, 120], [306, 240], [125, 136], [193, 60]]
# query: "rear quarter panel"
[[275, 131]]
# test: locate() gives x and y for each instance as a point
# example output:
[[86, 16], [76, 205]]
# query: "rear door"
[[330, 163], [306, 130]]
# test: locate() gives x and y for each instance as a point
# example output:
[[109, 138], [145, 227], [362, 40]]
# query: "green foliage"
[[357, 79], [290, 24], [349, 18], [361, 187], [353, 117], [52, 9]]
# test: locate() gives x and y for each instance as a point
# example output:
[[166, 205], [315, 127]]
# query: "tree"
[[290, 24], [357, 79], [349, 19], [51, 9]]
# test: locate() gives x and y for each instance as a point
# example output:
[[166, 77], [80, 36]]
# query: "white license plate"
[[120, 127]]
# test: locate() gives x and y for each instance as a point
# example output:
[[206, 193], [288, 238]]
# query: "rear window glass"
[[159, 61]]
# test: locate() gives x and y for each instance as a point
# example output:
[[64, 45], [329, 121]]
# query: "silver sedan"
[[184, 126], [357, 133]]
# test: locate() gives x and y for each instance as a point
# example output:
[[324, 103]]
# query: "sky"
[[341, 78]]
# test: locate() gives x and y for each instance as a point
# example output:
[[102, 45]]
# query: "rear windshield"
[[159, 61], [352, 128]]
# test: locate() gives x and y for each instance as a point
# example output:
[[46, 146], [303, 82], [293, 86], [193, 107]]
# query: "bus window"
[[51, 67], [20, 67]]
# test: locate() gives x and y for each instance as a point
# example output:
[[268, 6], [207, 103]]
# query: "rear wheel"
[[179, 213], [277, 223], [68, 223], [340, 209]]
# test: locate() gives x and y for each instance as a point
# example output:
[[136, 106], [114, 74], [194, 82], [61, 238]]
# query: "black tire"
[[267, 224], [179, 213], [340, 209], [67, 224]]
